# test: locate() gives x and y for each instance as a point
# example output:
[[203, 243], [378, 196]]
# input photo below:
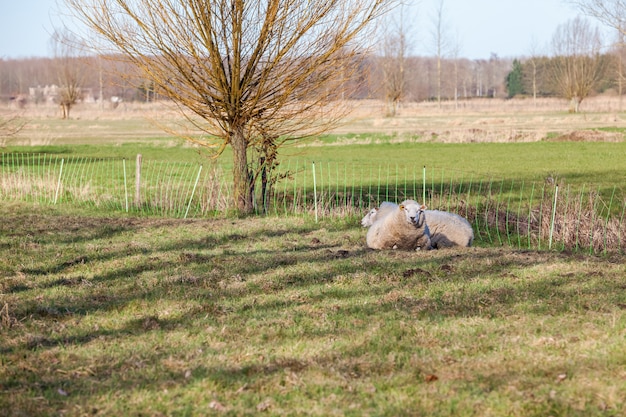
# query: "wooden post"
[[138, 182]]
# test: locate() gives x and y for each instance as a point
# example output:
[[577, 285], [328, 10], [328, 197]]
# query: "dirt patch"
[[588, 136]]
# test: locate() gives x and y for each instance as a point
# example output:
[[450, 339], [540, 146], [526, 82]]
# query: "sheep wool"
[[445, 229], [398, 227], [448, 229]]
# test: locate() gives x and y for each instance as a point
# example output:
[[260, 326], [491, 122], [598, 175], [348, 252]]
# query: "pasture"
[[511, 139], [109, 313]]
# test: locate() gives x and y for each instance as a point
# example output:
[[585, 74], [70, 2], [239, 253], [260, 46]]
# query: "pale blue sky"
[[508, 28]]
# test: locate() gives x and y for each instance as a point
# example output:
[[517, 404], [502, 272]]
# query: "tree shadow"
[[228, 275]]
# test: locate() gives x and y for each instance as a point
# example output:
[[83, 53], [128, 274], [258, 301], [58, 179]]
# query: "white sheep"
[[448, 229], [445, 229], [398, 227]]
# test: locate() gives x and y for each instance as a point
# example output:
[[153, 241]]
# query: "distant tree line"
[[495, 77], [536, 76], [492, 78], [578, 68], [476, 78]]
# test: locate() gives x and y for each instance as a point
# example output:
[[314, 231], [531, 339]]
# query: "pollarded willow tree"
[[577, 66], [68, 64], [395, 46], [250, 74]]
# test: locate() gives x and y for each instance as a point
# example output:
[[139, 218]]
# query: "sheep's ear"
[[401, 206]]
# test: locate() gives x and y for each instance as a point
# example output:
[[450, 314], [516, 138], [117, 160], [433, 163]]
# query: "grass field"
[[130, 316], [113, 314], [509, 139]]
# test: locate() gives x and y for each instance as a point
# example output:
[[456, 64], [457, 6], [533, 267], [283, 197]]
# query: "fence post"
[[193, 191], [315, 192], [56, 194], [138, 181], [556, 194], [125, 185], [608, 213], [424, 186]]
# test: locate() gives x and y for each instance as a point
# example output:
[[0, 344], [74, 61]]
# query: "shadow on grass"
[[237, 289], [286, 284]]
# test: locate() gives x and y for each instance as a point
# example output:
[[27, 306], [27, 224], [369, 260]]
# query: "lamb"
[[445, 229], [398, 227], [369, 218]]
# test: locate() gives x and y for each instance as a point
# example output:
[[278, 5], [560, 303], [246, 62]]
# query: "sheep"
[[398, 227], [448, 229], [445, 229], [369, 218]]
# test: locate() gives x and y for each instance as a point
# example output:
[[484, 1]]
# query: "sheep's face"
[[414, 212], [369, 218]]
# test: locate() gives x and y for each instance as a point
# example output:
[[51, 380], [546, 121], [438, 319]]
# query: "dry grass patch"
[[478, 120]]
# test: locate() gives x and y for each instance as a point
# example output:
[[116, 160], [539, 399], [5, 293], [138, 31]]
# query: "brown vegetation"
[[561, 219], [249, 76], [478, 120]]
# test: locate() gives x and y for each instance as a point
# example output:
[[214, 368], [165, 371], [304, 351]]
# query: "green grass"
[[354, 171], [370, 140], [349, 180], [104, 314], [576, 162], [597, 163], [616, 129], [131, 316], [157, 151]]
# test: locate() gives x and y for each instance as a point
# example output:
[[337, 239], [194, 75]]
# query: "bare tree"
[[479, 66], [250, 74], [577, 65], [610, 12], [456, 50], [532, 60], [394, 56], [496, 75], [619, 49], [440, 42], [69, 68]]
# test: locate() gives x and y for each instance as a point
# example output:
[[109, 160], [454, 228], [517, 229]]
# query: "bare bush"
[[573, 222], [9, 127]]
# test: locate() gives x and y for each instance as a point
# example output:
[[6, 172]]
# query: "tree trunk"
[[242, 189], [534, 84], [264, 184], [392, 108]]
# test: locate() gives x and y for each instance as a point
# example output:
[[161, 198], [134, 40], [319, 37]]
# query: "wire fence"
[[538, 215]]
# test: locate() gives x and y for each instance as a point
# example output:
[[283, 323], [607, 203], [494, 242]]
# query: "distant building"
[[49, 94]]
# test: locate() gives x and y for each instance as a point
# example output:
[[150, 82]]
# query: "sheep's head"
[[369, 218], [414, 212]]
